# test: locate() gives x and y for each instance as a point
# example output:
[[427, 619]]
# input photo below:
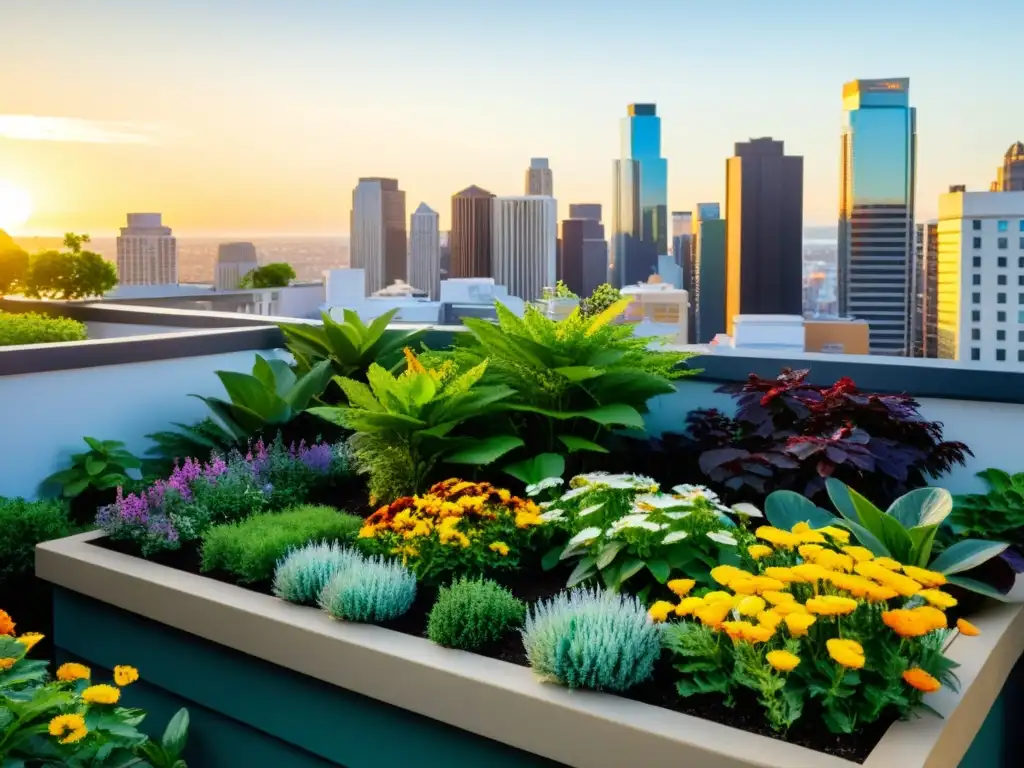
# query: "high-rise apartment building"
[[538, 178], [470, 235], [234, 261], [147, 253], [764, 203], [425, 251], [924, 325], [524, 231], [876, 210], [583, 256], [639, 198], [981, 277], [1010, 177], [709, 272], [378, 236], [682, 254]]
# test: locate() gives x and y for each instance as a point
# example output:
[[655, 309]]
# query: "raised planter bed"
[[266, 678]]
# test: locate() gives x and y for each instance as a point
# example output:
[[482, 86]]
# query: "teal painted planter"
[[246, 712]]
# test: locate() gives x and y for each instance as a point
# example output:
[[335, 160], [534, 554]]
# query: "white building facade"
[[981, 278], [234, 261], [147, 252], [539, 180], [524, 235], [425, 251], [366, 245]]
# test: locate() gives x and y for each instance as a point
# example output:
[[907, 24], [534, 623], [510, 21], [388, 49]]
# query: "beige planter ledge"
[[503, 701]]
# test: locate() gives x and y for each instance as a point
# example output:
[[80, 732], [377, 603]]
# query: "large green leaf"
[[973, 585], [344, 342], [784, 509], [358, 394], [576, 373], [377, 328], [615, 414], [921, 507], [923, 537], [524, 350], [275, 375], [839, 494], [419, 388], [574, 444], [475, 402], [176, 734], [484, 451], [866, 538], [383, 385], [867, 514], [310, 385], [630, 387], [227, 417], [966, 554], [94, 465], [897, 539], [997, 479], [248, 392], [537, 468]]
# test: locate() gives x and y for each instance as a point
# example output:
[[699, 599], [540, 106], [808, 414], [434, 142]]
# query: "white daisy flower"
[[722, 538], [585, 536], [746, 509], [590, 509], [635, 521], [675, 536], [575, 492], [659, 501], [552, 514]]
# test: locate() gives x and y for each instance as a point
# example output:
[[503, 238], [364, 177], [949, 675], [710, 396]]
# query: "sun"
[[15, 206]]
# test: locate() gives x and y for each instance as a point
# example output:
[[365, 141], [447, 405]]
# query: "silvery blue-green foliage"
[[589, 638], [370, 590], [302, 574]]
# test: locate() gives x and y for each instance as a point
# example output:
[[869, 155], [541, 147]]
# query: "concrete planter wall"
[[270, 683]]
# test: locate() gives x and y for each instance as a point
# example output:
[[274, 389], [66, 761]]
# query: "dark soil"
[[659, 691], [29, 601]]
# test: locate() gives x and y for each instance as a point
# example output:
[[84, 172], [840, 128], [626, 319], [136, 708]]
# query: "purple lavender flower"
[[215, 468], [317, 457]]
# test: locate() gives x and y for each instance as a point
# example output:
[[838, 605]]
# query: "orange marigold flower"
[[784, 661], [935, 617], [966, 628], [924, 577], [125, 675], [906, 623], [101, 694], [526, 519], [660, 610], [6, 664], [70, 672], [500, 547], [6, 624], [917, 678], [848, 653], [68, 729], [714, 614], [411, 361], [681, 587]]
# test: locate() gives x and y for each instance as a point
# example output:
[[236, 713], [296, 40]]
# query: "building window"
[[975, 279], [1020, 225], [1022, 243], [975, 298], [977, 262], [1020, 336], [975, 334], [1002, 226], [975, 315], [1020, 355], [1020, 279], [977, 242], [1001, 355], [1001, 279], [975, 353], [1001, 262], [977, 225], [1000, 298], [1001, 317], [1002, 243], [1000, 335]]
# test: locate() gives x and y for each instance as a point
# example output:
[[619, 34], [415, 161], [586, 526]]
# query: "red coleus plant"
[[789, 434]]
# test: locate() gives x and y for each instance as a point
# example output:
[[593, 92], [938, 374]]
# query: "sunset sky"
[[258, 117]]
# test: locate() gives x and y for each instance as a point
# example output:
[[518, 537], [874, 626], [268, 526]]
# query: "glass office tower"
[[640, 199], [876, 210]]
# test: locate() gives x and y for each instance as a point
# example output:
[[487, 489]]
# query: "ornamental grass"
[[815, 623], [456, 528]]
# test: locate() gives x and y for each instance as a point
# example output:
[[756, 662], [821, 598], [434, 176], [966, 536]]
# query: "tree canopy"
[[276, 275], [69, 274], [13, 264]]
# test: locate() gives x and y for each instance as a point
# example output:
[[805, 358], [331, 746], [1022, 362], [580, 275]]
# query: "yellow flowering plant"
[[69, 721], [815, 622], [457, 528]]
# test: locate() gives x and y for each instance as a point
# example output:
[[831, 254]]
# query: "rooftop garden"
[[793, 570]]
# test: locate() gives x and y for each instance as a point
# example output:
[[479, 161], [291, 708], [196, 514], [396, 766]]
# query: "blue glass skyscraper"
[[640, 199], [876, 210]]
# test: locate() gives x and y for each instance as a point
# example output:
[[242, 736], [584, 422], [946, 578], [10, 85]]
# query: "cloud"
[[75, 130]]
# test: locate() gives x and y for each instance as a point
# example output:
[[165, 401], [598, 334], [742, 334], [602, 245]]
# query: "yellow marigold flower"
[[878, 593], [6, 623], [836, 534], [460, 486], [799, 623], [422, 528], [888, 563], [831, 605], [857, 586], [681, 587], [860, 554], [69, 672], [924, 577], [906, 623], [917, 678], [847, 653], [779, 538], [785, 575], [68, 728], [742, 586], [757, 551], [809, 572], [718, 596], [367, 532], [750, 606], [101, 694], [833, 561], [767, 584], [714, 614], [808, 551], [526, 519], [6, 664], [966, 628], [769, 619], [504, 495], [776, 597], [29, 640], [802, 527], [744, 630], [500, 547], [933, 616], [125, 675], [811, 537], [688, 605], [792, 606], [904, 585], [784, 661], [723, 574], [661, 610], [938, 598]]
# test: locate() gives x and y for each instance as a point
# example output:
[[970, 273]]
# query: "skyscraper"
[[682, 253], [470, 235], [924, 326], [523, 251], [234, 261], [709, 272], [639, 199], [378, 238], [876, 210], [1010, 177], [764, 201], [425, 251], [583, 259], [147, 253], [538, 177]]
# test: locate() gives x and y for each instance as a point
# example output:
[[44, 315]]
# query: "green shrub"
[[369, 590], [31, 328], [23, 524], [588, 638], [303, 573], [470, 614], [250, 549]]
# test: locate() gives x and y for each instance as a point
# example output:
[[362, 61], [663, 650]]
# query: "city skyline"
[[223, 139]]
